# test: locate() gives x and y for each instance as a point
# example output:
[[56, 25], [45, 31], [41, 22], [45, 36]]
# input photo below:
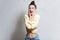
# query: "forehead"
[[32, 6]]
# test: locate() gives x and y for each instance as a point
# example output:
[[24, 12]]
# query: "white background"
[[12, 25]]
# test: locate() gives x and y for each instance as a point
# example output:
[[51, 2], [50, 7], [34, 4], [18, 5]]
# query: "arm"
[[27, 22], [34, 23]]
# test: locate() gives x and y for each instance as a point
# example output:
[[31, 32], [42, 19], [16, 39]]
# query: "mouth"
[[31, 14], [31, 11]]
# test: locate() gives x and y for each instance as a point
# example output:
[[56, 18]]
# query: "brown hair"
[[32, 3]]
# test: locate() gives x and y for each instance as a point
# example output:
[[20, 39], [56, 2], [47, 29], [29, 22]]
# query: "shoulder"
[[37, 15], [26, 16]]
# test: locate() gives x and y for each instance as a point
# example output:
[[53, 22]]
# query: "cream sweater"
[[31, 24]]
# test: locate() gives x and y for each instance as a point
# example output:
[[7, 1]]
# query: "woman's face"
[[31, 9]]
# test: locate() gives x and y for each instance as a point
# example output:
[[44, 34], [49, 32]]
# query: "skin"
[[31, 14]]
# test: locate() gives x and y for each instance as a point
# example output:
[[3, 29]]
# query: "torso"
[[30, 34]]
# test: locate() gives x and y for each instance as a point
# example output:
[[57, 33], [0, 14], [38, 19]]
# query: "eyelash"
[[30, 8]]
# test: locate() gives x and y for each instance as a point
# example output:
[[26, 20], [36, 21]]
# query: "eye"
[[32, 7]]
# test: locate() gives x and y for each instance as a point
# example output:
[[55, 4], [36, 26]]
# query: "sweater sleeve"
[[27, 22], [35, 22]]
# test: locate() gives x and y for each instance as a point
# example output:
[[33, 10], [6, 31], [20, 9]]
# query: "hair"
[[33, 3]]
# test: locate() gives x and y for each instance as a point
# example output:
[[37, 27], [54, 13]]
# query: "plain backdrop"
[[12, 13]]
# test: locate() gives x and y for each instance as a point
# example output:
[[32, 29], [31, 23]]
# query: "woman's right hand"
[[31, 17]]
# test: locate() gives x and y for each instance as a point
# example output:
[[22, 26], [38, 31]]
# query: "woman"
[[31, 21]]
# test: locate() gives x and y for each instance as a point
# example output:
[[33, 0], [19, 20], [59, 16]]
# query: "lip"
[[31, 14]]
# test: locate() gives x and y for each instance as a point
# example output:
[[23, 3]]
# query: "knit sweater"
[[31, 26]]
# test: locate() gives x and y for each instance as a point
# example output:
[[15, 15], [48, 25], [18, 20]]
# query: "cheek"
[[33, 9]]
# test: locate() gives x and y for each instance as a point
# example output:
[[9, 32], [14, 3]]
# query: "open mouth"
[[31, 14], [31, 11]]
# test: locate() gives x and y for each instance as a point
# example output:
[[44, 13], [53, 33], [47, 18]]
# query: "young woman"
[[31, 21]]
